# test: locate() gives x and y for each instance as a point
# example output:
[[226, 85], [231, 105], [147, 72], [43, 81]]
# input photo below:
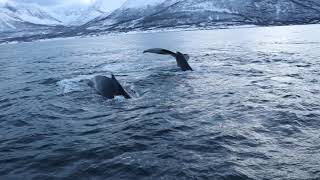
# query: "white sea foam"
[[74, 84]]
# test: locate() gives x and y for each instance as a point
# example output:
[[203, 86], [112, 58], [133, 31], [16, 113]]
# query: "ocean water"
[[249, 110]]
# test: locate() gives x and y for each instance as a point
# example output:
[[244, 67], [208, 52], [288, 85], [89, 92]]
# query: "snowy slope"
[[73, 15], [15, 16], [150, 14], [20, 16], [31, 13], [26, 22], [107, 5], [129, 13], [140, 3]]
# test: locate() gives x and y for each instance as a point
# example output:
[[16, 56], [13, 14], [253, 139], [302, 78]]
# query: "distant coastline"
[[68, 35]]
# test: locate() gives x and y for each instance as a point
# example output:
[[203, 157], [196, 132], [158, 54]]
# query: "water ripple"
[[249, 110]]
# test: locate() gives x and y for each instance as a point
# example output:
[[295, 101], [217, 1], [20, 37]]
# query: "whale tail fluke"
[[160, 51], [182, 62], [182, 59], [164, 52], [186, 56]]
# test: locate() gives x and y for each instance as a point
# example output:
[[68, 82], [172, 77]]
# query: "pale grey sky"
[[55, 2], [107, 5], [52, 2]]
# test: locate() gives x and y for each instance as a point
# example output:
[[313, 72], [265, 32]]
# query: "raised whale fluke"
[[182, 59], [108, 87], [160, 51]]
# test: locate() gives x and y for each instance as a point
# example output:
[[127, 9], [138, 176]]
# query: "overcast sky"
[[55, 2], [107, 5]]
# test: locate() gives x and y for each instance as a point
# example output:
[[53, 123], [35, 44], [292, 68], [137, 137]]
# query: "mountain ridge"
[[189, 14], [209, 13], [19, 17]]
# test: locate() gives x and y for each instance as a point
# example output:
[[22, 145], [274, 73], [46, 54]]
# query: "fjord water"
[[249, 110]]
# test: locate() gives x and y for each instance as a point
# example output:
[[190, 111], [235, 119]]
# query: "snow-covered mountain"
[[75, 15], [21, 21], [16, 16], [78, 14], [151, 14], [129, 13], [140, 3], [21, 16], [105, 16]]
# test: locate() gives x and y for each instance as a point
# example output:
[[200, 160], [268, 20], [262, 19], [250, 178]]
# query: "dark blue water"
[[250, 110]]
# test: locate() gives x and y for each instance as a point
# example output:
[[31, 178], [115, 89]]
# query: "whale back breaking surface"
[[108, 87], [104, 86]]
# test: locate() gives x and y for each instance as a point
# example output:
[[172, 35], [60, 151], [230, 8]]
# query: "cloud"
[[56, 5], [54, 2]]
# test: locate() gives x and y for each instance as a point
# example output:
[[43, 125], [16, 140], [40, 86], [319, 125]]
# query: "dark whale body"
[[182, 59], [108, 87]]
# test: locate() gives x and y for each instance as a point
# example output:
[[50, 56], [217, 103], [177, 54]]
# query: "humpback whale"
[[108, 87], [182, 59]]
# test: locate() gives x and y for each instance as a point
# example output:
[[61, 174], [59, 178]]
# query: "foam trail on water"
[[73, 84]]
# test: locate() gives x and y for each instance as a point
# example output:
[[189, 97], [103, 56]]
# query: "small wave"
[[119, 98], [116, 67], [283, 79], [48, 81], [131, 90]]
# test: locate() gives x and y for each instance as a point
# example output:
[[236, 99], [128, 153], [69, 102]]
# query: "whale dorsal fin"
[[119, 89]]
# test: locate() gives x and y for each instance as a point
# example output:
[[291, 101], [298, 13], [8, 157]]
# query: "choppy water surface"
[[250, 110]]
